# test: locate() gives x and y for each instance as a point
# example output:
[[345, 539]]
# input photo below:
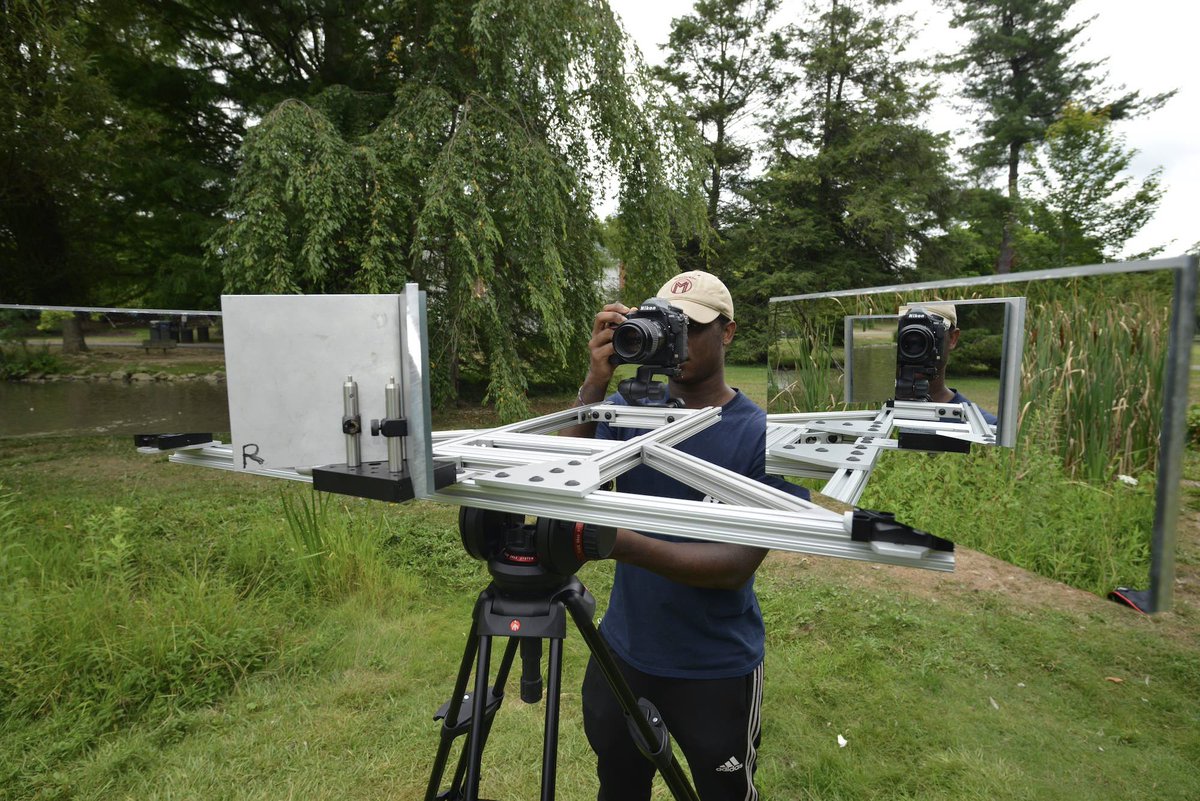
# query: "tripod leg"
[[493, 706], [483, 704], [448, 732], [479, 714], [550, 737], [653, 738]]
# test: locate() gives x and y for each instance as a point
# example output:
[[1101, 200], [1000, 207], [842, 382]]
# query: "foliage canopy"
[[477, 183]]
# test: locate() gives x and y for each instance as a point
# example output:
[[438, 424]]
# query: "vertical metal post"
[[350, 413], [1171, 445], [418, 449], [395, 445], [1010, 377], [848, 345]]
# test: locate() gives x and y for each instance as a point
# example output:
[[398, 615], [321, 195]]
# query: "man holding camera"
[[683, 621]]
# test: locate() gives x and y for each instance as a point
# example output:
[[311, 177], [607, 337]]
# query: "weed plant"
[[805, 370], [335, 557]]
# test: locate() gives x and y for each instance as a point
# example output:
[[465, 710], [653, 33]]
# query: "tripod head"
[[644, 390], [530, 564], [531, 559]]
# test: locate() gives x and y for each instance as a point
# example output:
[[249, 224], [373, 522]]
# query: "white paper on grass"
[[287, 358]]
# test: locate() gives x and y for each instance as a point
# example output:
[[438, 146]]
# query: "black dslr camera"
[[654, 336], [921, 347]]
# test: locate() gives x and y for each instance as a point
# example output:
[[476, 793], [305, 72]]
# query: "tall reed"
[[1093, 378], [806, 368]]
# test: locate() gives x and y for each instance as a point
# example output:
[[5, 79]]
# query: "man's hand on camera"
[[600, 370]]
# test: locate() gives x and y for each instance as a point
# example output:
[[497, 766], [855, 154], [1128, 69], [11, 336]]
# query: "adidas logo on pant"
[[731, 765]]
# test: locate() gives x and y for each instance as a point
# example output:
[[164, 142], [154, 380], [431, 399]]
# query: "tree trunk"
[[72, 331], [714, 192], [1004, 261]]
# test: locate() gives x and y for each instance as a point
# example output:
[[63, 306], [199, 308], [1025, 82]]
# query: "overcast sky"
[[1149, 45]]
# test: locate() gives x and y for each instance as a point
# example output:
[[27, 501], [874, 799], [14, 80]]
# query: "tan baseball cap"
[[700, 295], [942, 309]]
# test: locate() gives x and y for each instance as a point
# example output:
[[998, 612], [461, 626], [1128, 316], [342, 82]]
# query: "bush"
[[978, 353], [20, 361], [1193, 425]]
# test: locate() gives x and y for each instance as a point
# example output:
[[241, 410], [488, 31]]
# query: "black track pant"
[[714, 723]]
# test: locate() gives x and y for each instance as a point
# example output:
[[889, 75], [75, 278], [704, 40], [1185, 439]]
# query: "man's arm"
[[600, 371], [713, 565]]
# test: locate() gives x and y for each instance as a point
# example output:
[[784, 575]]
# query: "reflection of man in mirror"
[[938, 391]]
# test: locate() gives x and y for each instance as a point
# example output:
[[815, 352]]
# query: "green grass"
[[163, 634], [1089, 535], [174, 367]]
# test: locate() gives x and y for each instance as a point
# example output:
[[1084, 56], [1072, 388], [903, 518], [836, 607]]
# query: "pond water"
[[81, 408]]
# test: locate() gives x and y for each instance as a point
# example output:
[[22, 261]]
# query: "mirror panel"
[[1091, 390]]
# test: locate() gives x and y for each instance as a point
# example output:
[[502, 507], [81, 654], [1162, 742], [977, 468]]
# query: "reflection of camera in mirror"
[[654, 334], [921, 347]]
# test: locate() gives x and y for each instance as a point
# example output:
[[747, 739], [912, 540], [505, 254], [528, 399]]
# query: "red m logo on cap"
[[681, 286]]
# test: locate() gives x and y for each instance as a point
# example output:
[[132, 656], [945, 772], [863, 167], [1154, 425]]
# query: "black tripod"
[[532, 591]]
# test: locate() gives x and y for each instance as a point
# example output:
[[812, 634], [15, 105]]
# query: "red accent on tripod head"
[[578, 543]]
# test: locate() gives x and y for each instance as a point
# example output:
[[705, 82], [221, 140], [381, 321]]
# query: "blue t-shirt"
[[665, 628]]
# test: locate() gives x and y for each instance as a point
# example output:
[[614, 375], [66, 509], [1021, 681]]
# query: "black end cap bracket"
[[870, 526]]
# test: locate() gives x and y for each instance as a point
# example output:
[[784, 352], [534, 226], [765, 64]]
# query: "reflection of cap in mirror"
[[700, 295], [944, 310]]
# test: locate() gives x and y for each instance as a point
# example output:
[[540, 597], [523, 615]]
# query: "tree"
[[173, 189], [1019, 69], [1092, 206], [115, 152], [722, 62], [62, 134], [855, 184], [967, 246], [476, 183]]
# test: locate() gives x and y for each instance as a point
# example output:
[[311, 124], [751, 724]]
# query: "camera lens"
[[636, 340], [915, 343]]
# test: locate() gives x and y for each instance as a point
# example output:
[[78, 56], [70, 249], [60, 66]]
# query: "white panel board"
[[287, 357]]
